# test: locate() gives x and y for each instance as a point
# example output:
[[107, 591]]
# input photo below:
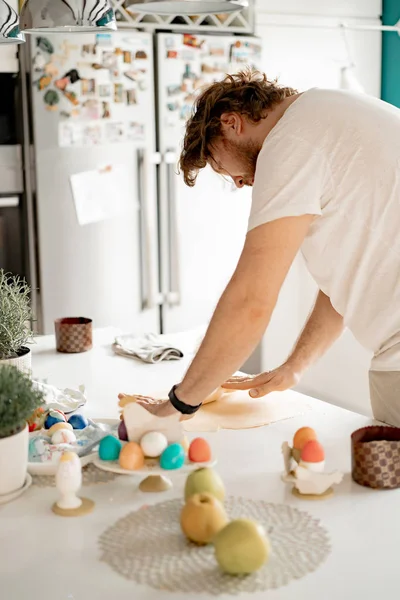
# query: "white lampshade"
[[187, 7], [9, 25], [69, 16]]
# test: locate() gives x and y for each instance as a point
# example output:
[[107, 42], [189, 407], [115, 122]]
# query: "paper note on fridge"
[[103, 193]]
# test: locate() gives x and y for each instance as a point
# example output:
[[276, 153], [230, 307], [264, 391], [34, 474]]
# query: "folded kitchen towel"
[[150, 348]]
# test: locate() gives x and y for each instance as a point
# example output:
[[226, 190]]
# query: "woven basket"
[[376, 457], [73, 334]]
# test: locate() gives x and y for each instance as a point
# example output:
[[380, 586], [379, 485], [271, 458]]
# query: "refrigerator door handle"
[[174, 291], [147, 292]]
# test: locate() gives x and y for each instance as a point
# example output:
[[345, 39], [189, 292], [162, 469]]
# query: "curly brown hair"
[[248, 93]]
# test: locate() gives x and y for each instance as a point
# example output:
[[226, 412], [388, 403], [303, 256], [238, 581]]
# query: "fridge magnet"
[[173, 90], [51, 99], [97, 66], [118, 92], [71, 96], [142, 85], [172, 54], [131, 97], [109, 60], [217, 51], [89, 49], [44, 82], [91, 109], [104, 39], [106, 113], [114, 132], [39, 62], [92, 135], [70, 77], [304, 467], [51, 69], [118, 52], [105, 90], [132, 75], [192, 40], [172, 106], [141, 55], [135, 131], [69, 134], [185, 112], [88, 86], [127, 57], [170, 43], [65, 115], [44, 45], [188, 54]]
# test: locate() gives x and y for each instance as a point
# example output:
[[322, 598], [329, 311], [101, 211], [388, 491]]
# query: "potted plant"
[[19, 398], [15, 322]]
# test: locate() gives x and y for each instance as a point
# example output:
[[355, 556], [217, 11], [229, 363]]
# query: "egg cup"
[[307, 484]]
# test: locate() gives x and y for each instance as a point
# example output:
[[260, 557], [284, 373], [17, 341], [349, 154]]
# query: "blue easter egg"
[[110, 448], [173, 457], [78, 421], [52, 420]]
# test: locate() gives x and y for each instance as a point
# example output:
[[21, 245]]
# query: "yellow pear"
[[205, 480], [202, 517]]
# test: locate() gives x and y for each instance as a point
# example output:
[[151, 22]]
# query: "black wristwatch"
[[185, 409]]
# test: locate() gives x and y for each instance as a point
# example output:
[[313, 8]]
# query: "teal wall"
[[391, 54]]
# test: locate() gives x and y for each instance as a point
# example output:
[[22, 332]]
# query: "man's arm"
[[245, 307], [321, 330]]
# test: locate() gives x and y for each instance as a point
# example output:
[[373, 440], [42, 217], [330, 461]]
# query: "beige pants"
[[384, 387]]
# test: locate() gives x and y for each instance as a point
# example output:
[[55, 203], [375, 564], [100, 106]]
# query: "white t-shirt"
[[336, 154]]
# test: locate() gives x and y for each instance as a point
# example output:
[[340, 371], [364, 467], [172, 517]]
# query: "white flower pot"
[[13, 461], [22, 362]]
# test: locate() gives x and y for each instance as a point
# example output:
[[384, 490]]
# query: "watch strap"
[[185, 409]]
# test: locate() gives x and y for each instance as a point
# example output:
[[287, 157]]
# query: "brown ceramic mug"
[[73, 334]]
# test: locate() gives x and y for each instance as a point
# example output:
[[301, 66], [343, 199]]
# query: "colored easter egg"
[[78, 421], [302, 436], [110, 448], [54, 416], [199, 451], [63, 436], [58, 426], [313, 452], [173, 457], [37, 419], [153, 444], [131, 457], [122, 433]]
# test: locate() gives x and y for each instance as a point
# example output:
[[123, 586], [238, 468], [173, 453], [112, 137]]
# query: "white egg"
[[316, 467], [63, 436], [153, 444]]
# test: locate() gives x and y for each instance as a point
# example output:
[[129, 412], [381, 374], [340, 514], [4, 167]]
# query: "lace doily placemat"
[[148, 547], [90, 476]]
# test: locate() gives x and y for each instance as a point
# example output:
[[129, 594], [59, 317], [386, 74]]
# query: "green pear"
[[204, 480], [241, 547]]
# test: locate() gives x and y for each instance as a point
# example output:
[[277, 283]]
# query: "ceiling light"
[[67, 16], [187, 7], [9, 26]]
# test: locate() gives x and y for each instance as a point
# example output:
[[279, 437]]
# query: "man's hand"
[[158, 407], [278, 380]]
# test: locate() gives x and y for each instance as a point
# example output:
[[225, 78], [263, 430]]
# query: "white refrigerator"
[[120, 238]]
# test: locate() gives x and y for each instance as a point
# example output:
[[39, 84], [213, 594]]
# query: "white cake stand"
[[156, 479]]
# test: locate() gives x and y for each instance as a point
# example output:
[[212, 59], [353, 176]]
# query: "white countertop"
[[44, 557]]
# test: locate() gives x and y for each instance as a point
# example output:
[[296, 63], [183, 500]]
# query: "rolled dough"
[[237, 410]]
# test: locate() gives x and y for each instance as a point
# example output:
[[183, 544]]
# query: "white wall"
[[304, 57]]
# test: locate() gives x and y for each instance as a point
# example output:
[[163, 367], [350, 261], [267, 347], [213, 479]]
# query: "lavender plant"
[[15, 315]]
